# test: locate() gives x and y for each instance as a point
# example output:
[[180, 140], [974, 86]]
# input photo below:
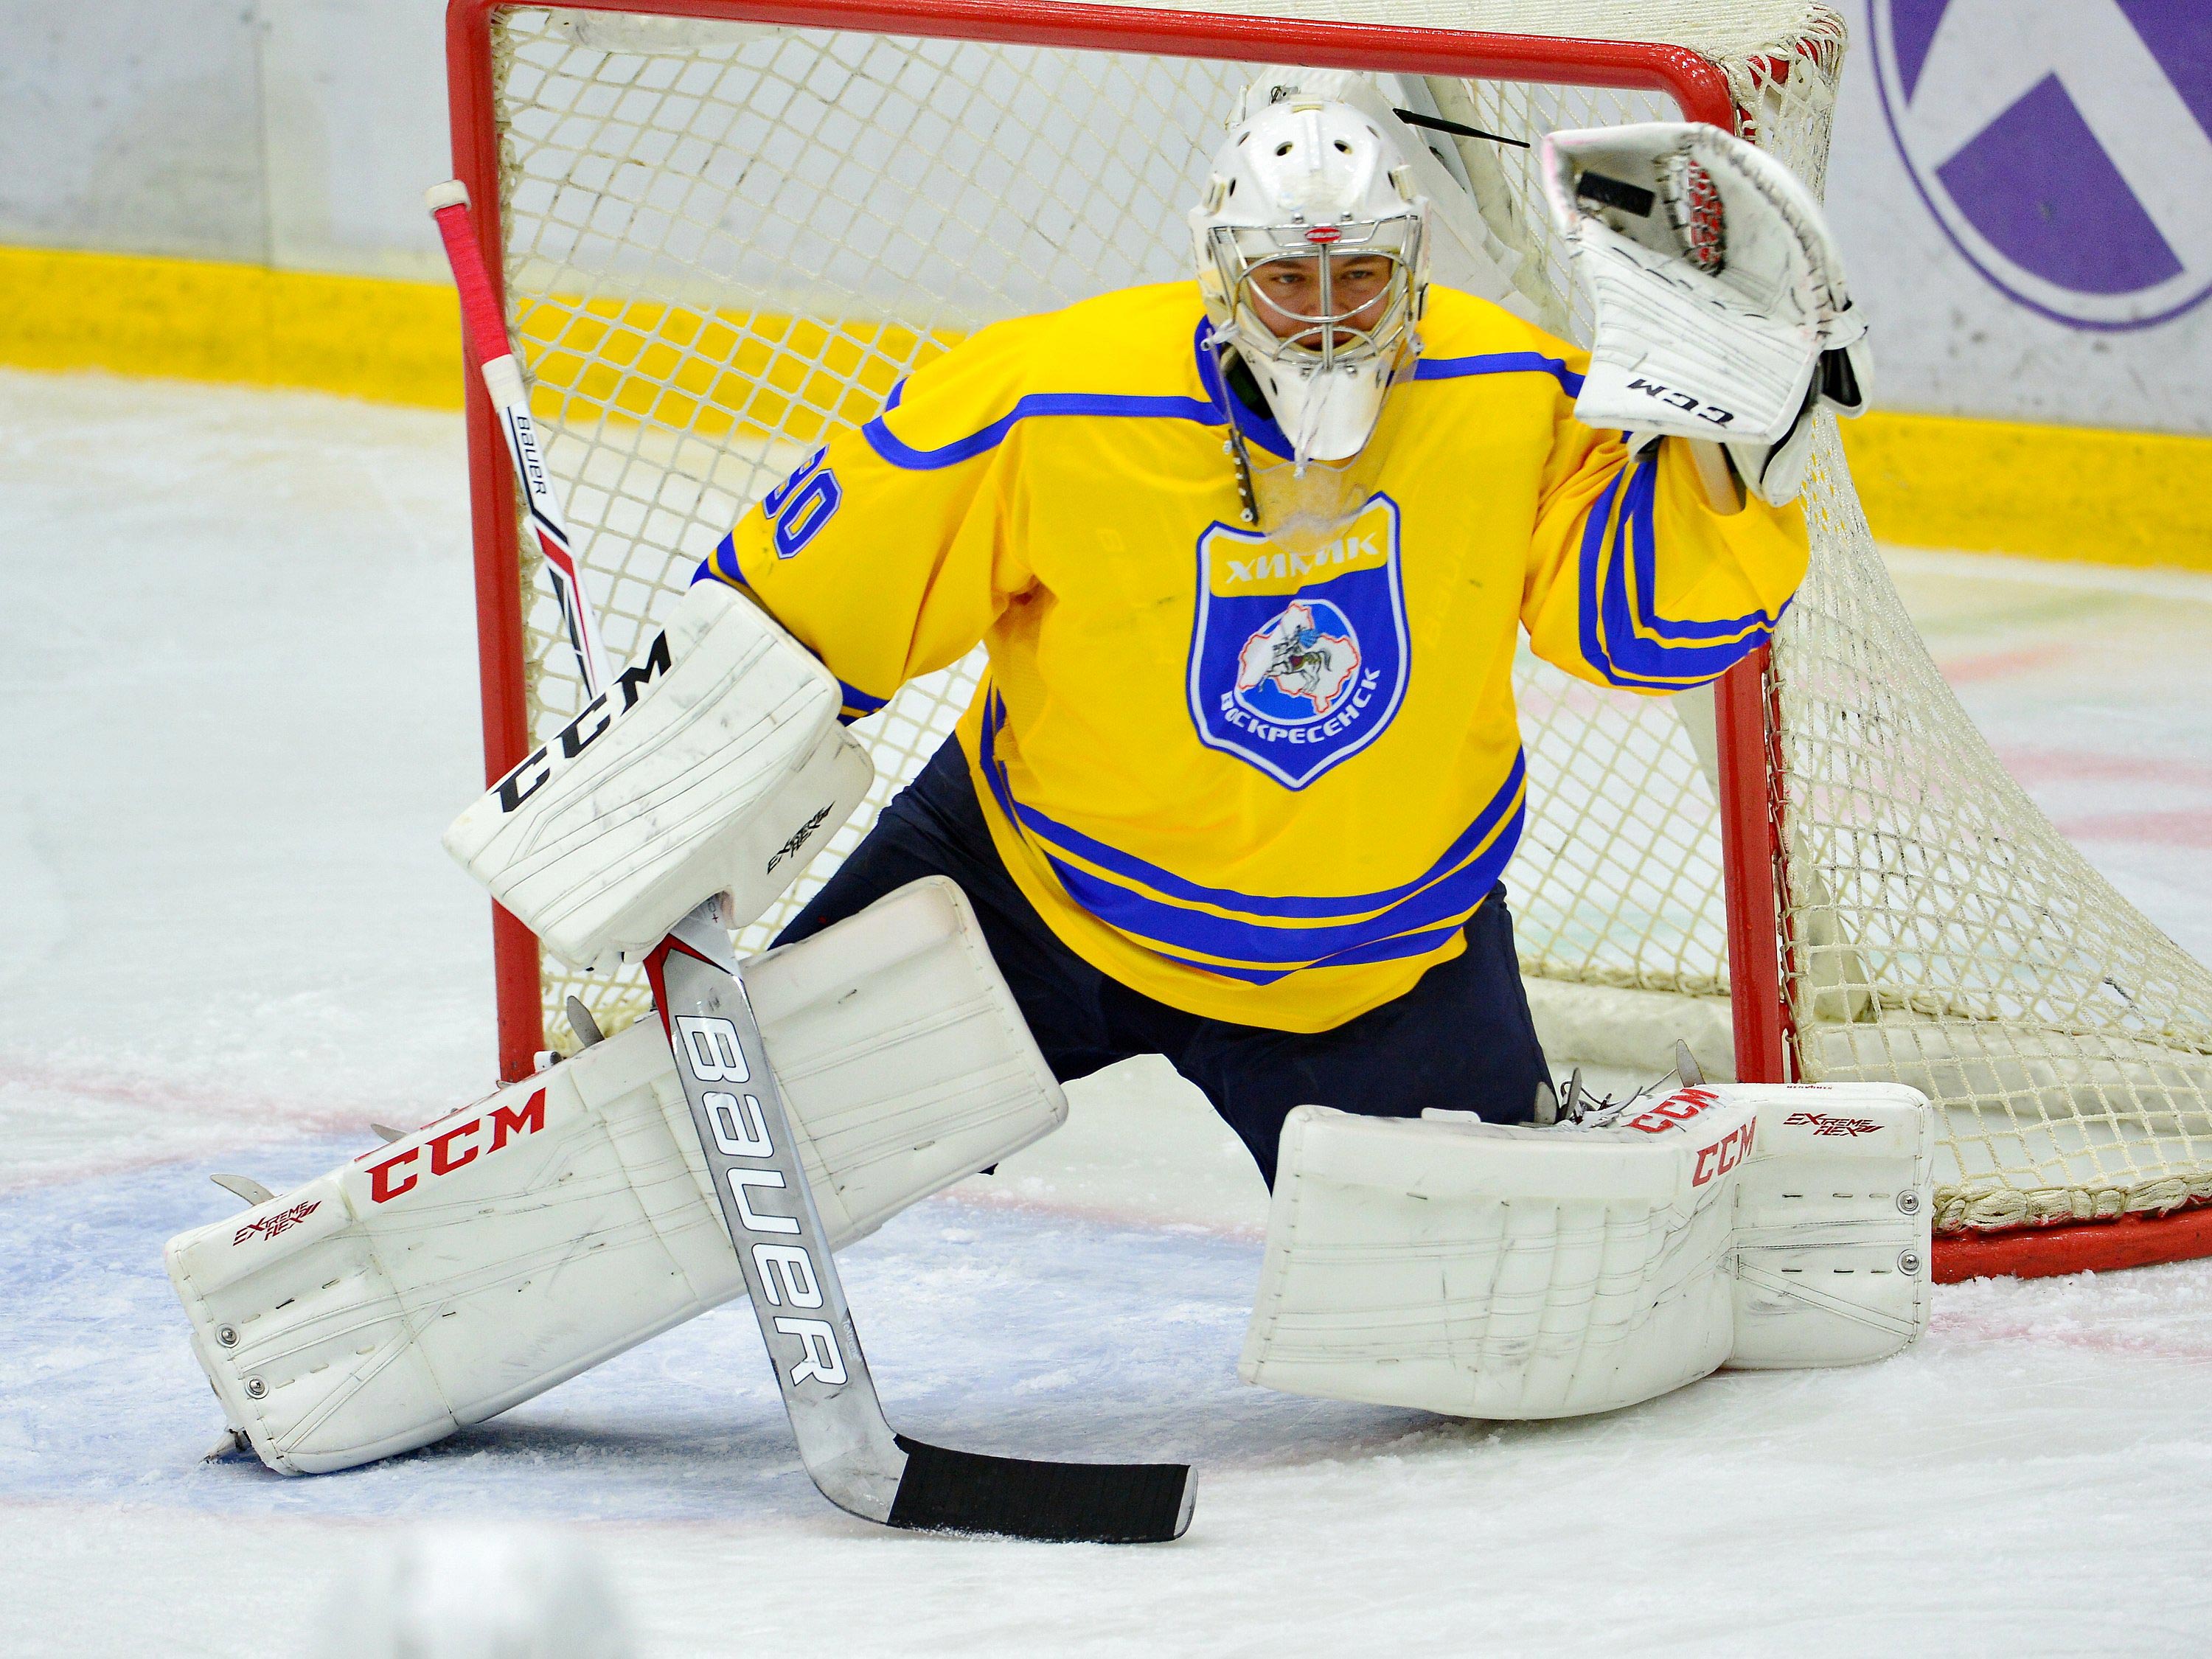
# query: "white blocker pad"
[[725, 771], [465, 1267], [1716, 284], [1480, 1270]]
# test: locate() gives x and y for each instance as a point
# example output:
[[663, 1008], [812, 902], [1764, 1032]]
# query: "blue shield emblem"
[[1298, 661]]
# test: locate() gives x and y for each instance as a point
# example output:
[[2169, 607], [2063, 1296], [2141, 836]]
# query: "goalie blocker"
[[730, 774], [478, 1261]]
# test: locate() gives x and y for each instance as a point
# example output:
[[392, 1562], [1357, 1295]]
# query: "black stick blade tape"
[[945, 1490]]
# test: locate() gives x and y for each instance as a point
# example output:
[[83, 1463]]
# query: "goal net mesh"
[[723, 242]]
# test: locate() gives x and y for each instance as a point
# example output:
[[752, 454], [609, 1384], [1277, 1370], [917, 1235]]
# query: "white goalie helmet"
[[1308, 184]]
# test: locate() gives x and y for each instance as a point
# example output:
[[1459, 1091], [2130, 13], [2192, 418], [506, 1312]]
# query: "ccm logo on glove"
[[580, 733], [1681, 400], [444, 1160]]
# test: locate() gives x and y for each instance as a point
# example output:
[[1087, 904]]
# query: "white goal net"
[[724, 240]]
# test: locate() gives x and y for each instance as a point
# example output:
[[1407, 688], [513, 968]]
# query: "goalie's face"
[[1297, 299], [1310, 259]]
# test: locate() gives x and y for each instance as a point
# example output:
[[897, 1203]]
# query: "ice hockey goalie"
[[1239, 789]]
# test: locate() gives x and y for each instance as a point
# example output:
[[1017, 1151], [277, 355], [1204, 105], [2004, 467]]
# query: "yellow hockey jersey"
[[1261, 775]]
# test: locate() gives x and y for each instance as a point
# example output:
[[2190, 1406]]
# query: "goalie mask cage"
[[725, 228]]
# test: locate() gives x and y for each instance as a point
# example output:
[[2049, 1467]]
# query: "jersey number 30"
[[802, 504]]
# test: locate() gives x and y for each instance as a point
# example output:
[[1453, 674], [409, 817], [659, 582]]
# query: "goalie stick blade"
[[947, 1491]]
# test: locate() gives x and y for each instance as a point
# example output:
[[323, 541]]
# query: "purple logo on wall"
[[2064, 145]]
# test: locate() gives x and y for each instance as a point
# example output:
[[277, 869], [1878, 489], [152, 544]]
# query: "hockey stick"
[[486, 332], [850, 1451]]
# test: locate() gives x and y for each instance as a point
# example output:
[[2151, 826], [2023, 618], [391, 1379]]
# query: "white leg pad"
[[1833, 1215], [480, 1259], [1512, 1272]]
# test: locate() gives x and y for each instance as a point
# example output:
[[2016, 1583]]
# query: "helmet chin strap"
[[1224, 355]]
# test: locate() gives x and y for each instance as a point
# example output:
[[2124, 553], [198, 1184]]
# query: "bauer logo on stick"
[[710, 1049]]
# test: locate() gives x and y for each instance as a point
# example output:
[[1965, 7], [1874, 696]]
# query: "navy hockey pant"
[[1461, 1039]]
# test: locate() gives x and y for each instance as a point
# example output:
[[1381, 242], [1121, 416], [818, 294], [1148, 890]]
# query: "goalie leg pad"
[[480, 1259], [1833, 1210], [1483, 1270], [1493, 1271]]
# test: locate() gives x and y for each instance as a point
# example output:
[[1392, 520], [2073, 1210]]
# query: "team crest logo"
[[1298, 661], [1302, 665]]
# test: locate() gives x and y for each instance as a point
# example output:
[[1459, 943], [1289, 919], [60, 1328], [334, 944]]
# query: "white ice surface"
[[239, 709]]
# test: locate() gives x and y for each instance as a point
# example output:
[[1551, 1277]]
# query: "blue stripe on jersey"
[[1447, 898], [858, 703], [1388, 950], [1215, 409], [1500, 362], [1449, 903], [1617, 627], [1175, 886], [1031, 407], [723, 563], [1642, 546], [1403, 945]]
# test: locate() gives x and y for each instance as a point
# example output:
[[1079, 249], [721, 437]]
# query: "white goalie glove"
[[1721, 309], [1481, 1270], [715, 765], [482, 1258]]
